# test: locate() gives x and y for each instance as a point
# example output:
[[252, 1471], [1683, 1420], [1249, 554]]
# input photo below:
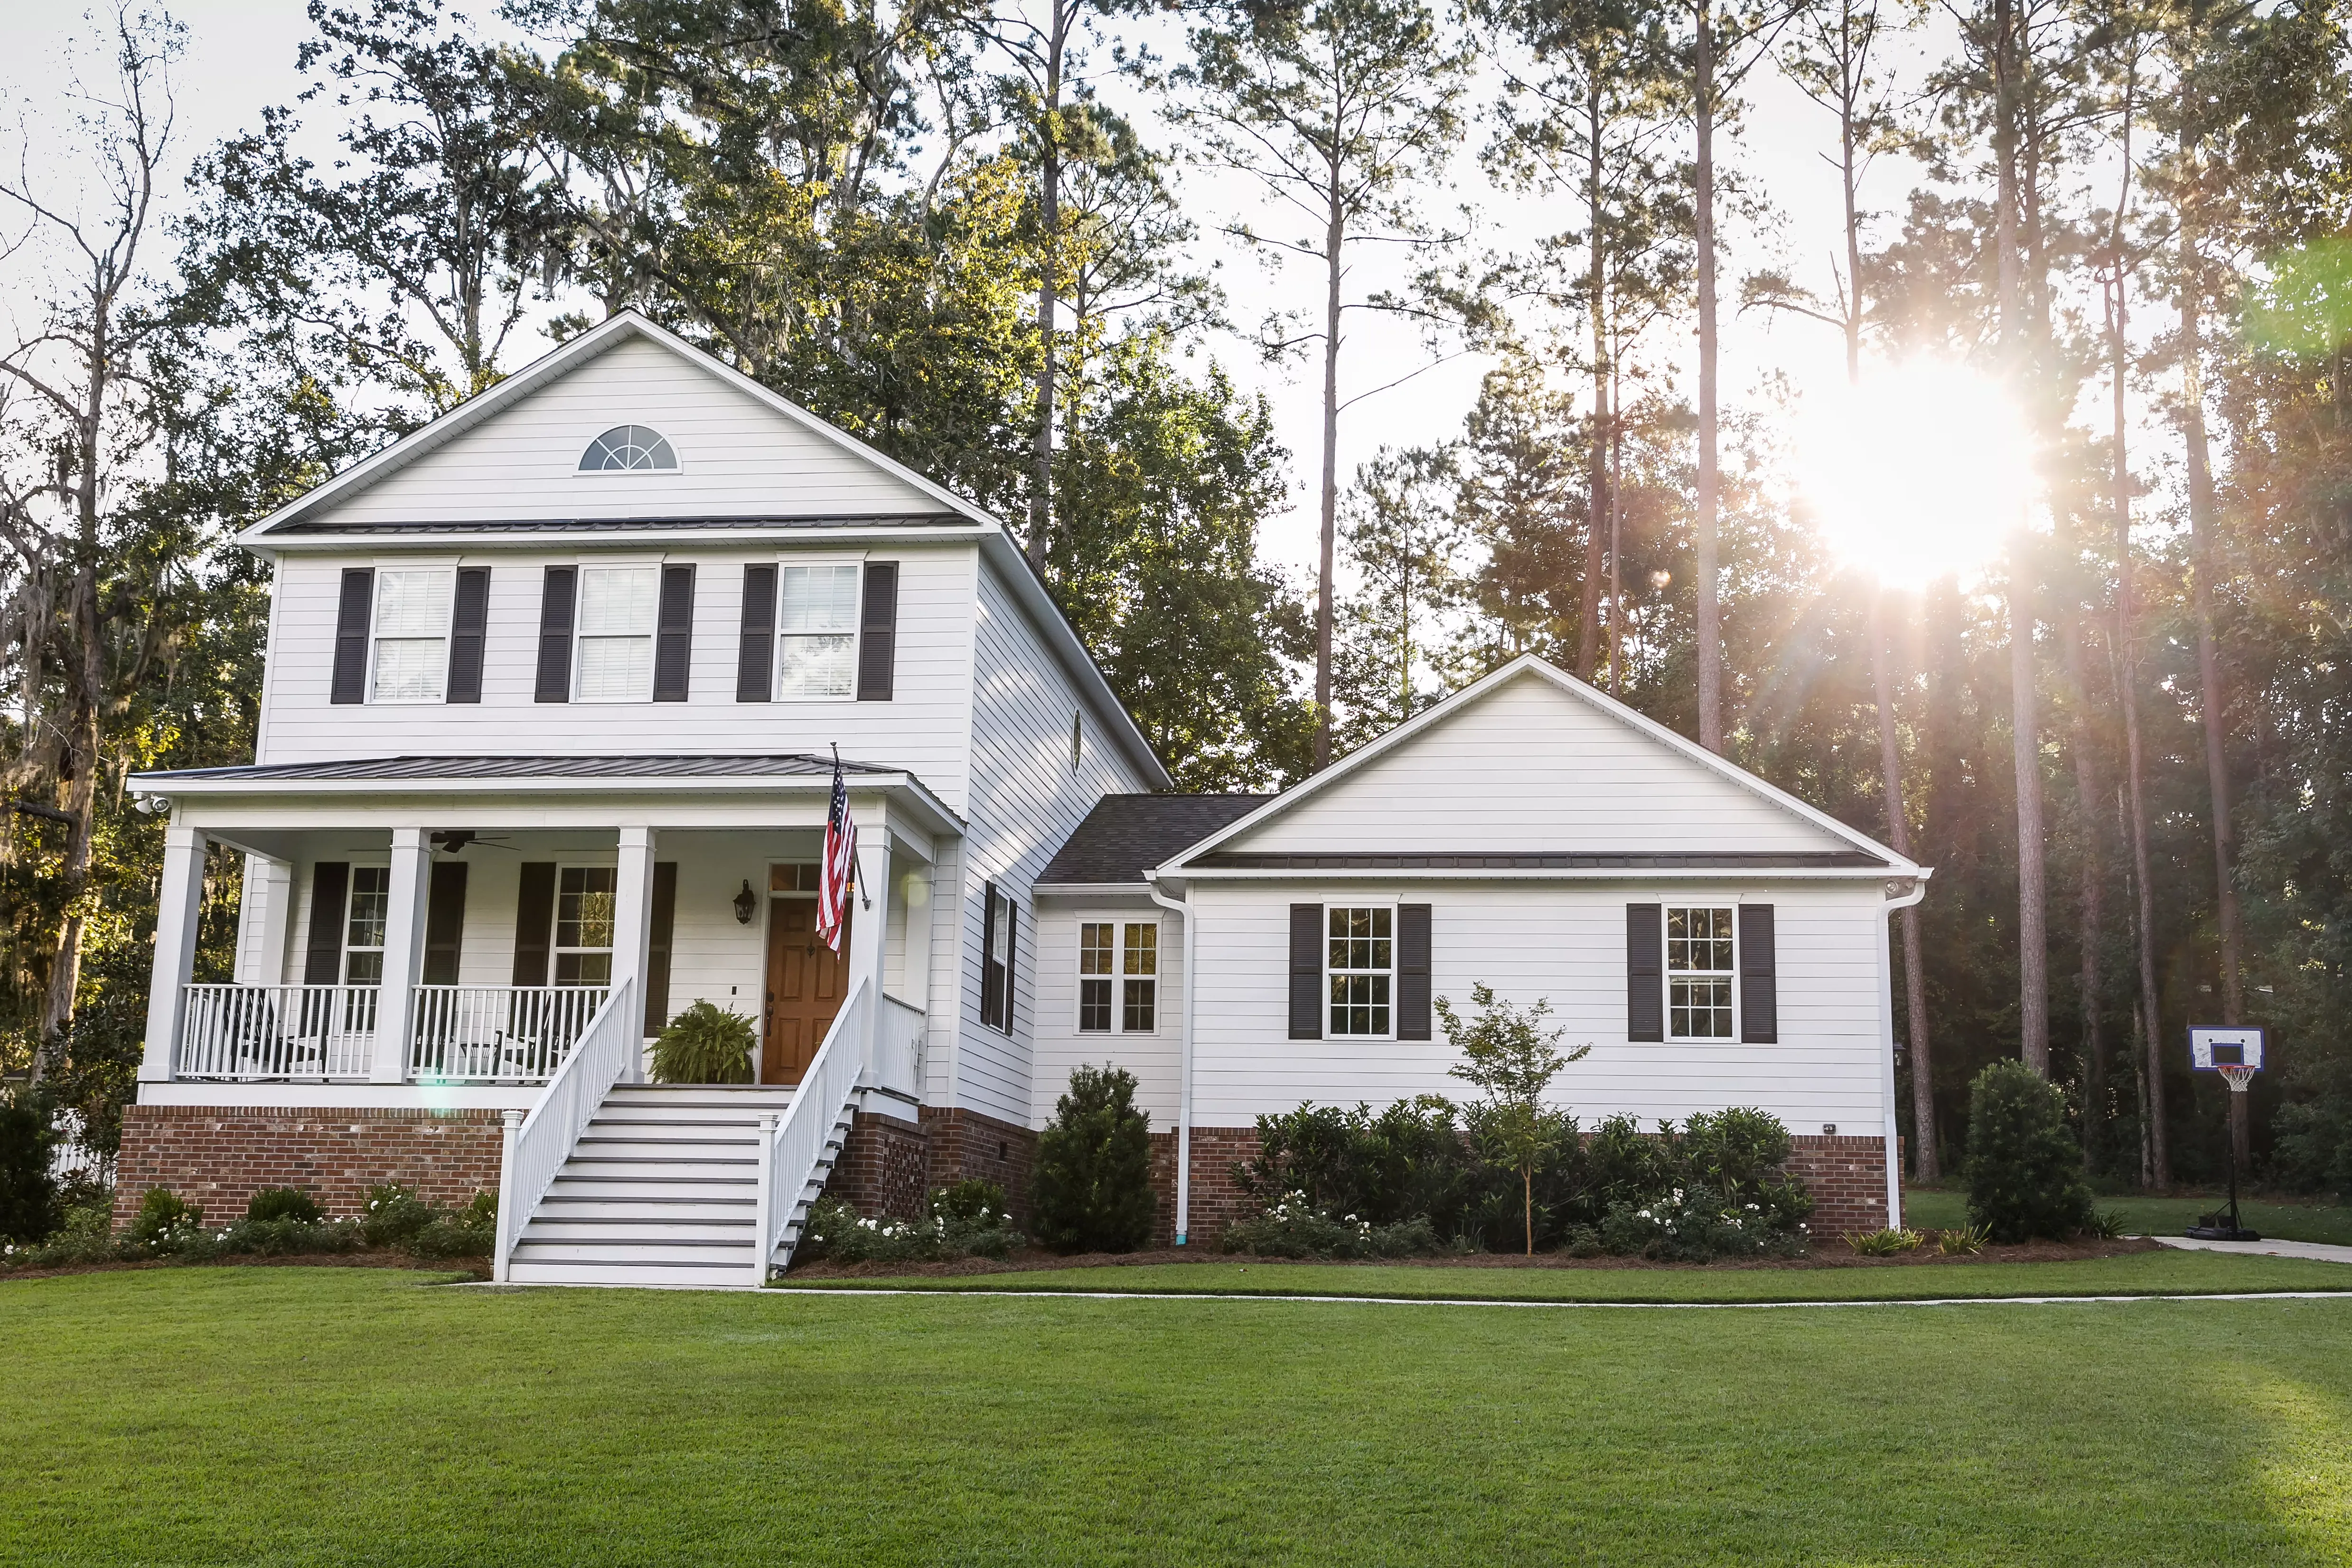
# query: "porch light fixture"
[[746, 903]]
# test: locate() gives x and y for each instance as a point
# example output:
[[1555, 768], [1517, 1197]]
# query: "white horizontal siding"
[[1025, 800], [1529, 768], [737, 457], [1565, 944], [922, 728], [1155, 1058]]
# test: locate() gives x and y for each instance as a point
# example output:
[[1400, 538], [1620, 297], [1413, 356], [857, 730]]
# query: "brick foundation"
[[1847, 1176], [884, 1168], [965, 1144], [219, 1156]]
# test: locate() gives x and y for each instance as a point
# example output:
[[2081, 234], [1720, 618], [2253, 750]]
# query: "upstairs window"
[[628, 449], [615, 629], [411, 661], [816, 632]]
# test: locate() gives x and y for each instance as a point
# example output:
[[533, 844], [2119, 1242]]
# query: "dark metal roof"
[[1125, 835], [791, 764], [634, 525], [1630, 861]]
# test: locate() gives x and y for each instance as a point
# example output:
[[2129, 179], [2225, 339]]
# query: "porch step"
[[597, 1229], [701, 1277], [742, 1168]]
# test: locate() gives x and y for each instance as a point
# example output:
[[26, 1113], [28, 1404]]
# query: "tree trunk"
[[1710, 615], [1528, 1192], [1334, 238], [1588, 634], [2202, 522], [2091, 903], [1926, 1166], [1849, 89], [1049, 218]]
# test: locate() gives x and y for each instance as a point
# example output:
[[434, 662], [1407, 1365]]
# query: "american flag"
[[840, 871]]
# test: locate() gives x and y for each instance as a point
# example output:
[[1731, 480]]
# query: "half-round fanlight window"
[[628, 447]]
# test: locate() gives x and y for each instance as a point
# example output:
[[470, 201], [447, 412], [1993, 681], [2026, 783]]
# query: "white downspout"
[[1184, 1071], [1887, 1032]]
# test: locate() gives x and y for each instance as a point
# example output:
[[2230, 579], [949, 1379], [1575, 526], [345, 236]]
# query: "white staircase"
[[662, 1188]]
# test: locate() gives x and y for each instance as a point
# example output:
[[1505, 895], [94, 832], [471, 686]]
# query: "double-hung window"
[[583, 925], [1360, 968], [616, 632], [816, 632], [371, 902], [1700, 968], [1118, 976], [411, 661]]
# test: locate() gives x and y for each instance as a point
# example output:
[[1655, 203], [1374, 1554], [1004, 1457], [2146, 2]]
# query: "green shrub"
[[2024, 1169], [2312, 1129], [1696, 1225], [1885, 1243], [967, 1220], [165, 1221], [87, 1235], [1295, 1227], [283, 1203], [1409, 1160], [29, 1209], [705, 1044], [468, 1232], [1962, 1239], [394, 1215], [1091, 1185], [284, 1237]]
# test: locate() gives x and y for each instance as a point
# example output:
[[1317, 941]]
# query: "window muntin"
[[411, 634], [628, 449], [615, 633], [1360, 968], [583, 924], [364, 923], [816, 632], [1118, 977], [1700, 968]]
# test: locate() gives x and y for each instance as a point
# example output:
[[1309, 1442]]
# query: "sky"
[[241, 58]]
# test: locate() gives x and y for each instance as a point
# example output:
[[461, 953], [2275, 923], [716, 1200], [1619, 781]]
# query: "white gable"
[[737, 456], [1525, 767]]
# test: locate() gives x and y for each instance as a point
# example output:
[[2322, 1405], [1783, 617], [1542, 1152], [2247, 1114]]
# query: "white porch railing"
[[496, 1034], [604, 1052], [300, 1032], [899, 1047], [789, 1160]]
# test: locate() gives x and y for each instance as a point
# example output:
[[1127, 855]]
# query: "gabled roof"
[[1835, 850], [1125, 835], [304, 524]]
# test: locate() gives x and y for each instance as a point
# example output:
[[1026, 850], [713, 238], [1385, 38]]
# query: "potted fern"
[[705, 1044]]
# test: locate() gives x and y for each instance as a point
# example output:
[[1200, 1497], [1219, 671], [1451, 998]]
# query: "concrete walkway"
[[2326, 1252]]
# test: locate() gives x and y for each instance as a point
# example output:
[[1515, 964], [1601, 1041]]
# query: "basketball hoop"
[[2236, 1053], [2239, 1077]]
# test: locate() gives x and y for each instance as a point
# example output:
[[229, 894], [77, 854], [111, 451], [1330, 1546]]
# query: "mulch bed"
[[1832, 1256], [479, 1269]]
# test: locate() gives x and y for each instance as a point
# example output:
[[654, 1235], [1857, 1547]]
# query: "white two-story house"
[[553, 695]]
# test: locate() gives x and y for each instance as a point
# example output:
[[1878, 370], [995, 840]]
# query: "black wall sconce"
[[746, 903]]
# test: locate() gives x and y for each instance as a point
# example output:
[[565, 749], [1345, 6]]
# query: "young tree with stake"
[[1510, 1056]]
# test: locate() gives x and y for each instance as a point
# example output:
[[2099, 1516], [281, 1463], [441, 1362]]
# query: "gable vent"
[[628, 447]]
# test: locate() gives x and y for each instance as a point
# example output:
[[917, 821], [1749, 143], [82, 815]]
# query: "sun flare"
[[1919, 472]]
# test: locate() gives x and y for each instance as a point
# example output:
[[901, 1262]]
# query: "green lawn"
[[1940, 1208], [285, 1416], [2145, 1273]]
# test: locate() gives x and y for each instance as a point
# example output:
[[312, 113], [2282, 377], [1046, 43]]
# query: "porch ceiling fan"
[[454, 839]]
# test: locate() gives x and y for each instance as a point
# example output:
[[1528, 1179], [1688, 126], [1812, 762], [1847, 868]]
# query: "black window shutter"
[[1011, 960], [1645, 989], [991, 992], [1760, 987], [657, 944], [351, 635], [877, 633], [323, 954], [1306, 971], [534, 921], [444, 922], [755, 663], [674, 640], [1413, 972], [555, 634], [469, 630]]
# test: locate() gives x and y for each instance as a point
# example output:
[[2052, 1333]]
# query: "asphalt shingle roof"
[[1125, 835]]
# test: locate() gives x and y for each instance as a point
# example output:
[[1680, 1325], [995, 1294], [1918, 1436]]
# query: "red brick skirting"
[[965, 1144], [884, 1167], [219, 1156], [1847, 1176]]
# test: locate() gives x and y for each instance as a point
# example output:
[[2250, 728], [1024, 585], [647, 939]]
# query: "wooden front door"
[[805, 986]]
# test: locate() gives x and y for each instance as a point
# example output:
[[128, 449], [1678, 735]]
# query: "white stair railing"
[[789, 1161], [256, 1031], [602, 1054]]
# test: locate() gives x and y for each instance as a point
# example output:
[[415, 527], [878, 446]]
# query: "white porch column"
[[267, 904], [632, 922], [404, 952], [869, 927], [175, 949]]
